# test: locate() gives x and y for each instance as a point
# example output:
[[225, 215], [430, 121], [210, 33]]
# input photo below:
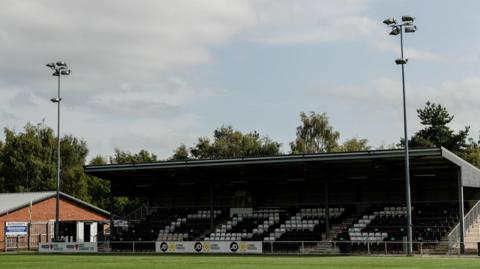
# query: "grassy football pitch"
[[14, 261]]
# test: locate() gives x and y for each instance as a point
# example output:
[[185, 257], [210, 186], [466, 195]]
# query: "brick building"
[[28, 218]]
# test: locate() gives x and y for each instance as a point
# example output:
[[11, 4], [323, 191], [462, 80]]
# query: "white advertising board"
[[61, 247], [16, 228], [208, 247]]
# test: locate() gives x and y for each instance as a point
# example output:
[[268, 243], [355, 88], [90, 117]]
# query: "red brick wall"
[[45, 211]]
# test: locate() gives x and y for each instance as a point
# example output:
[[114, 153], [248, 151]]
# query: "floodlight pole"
[[407, 158], [59, 68], [57, 199], [407, 25]]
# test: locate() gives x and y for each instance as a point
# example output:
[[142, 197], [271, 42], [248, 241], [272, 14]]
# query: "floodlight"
[[390, 21], [60, 69], [410, 29], [395, 31], [407, 23], [408, 18], [401, 61]]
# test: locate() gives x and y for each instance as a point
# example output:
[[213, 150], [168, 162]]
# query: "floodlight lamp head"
[[410, 29], [65, 72], [51, 65], [56, 100], [408, 18], [395, 31], [56, 73], [60, 63], [401, 61], [390, 21]]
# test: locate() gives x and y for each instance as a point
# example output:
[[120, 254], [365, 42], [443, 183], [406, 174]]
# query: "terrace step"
[[472, 236], [322, 248], [441, 248]]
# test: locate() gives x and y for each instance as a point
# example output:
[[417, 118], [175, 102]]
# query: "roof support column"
[[112, 210], [212, 216], [327, 212], [461, 211]]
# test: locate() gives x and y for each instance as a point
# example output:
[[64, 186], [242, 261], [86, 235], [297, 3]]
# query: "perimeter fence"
[[302, 247]]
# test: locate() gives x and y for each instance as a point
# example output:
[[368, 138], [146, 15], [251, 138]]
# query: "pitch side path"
[[33, 261]]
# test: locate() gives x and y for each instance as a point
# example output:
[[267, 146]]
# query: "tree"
[[2, 179], [436, 133], [124, 205], [143, 156], [354, 144], [98, 189], [227, 143], [29, 161], [181, 153], [391, 146], [74, 181], [472, 152], [314, 135]]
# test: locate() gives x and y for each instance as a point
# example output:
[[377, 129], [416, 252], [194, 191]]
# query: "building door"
[[68, 231], [86, 232]]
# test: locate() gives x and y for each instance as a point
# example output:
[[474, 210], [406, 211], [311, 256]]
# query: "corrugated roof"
[[97, 170], [10, 202]]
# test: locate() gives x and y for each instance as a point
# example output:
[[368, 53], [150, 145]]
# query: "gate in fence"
[[19, 238]]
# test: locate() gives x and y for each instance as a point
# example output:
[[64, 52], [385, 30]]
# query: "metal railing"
[[137, 214], [131, 218], [103, 235], [305, 247], [454, 236], [348, 247], [27, 242]]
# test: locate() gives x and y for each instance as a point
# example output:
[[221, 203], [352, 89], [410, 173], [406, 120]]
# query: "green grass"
[[14, 261]]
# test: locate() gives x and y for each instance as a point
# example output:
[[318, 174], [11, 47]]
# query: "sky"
[[155, 74]]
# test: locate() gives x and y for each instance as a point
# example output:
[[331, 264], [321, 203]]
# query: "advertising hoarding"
[[208, 247], [16, 228], [61, 247]]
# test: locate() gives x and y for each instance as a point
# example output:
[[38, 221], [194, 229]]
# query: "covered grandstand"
[[341, 202]]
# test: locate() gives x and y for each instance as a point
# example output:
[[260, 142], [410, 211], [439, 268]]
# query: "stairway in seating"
[[338, 228], [326, 247], [440, 248], [472, 237], [323, 248]]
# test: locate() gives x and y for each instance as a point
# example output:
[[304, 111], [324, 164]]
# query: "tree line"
[[28, 157]]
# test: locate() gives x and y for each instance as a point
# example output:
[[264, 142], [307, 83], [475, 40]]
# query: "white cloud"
[[311, 21], [284, 22], [382, 98], [130, 62], [410, 53]]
